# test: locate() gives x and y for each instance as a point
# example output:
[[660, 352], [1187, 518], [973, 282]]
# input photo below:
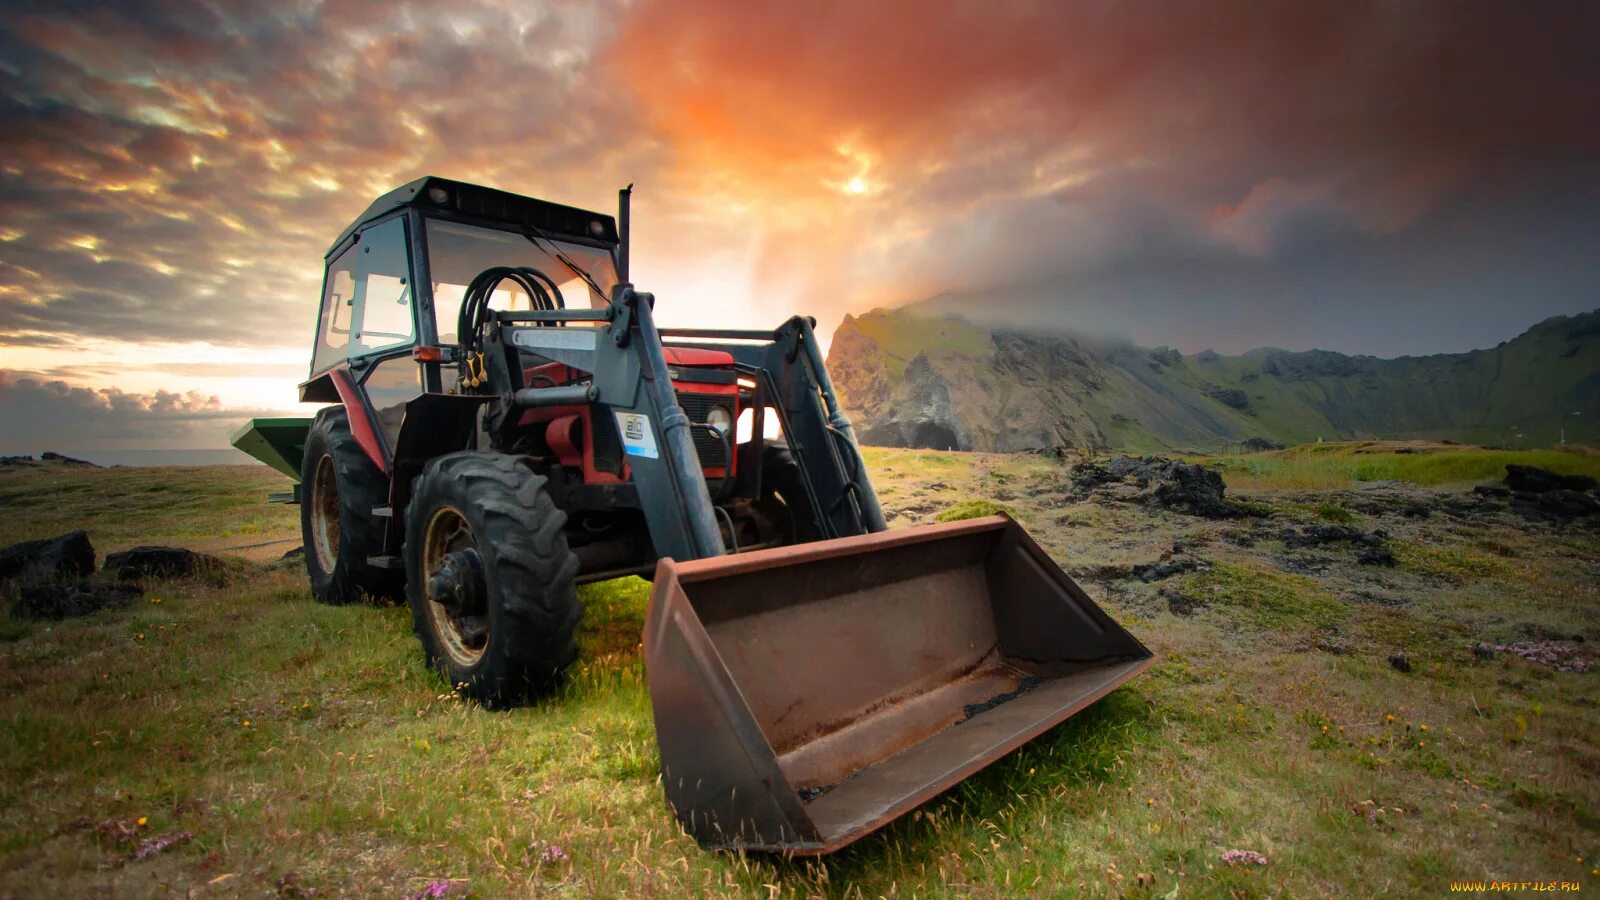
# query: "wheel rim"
[[325, 515], [458, 616]]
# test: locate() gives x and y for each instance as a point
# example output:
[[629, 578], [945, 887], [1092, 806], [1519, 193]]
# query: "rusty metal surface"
[[805, 696]]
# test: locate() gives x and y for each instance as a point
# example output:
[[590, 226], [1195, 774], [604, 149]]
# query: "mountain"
[[914, 378]]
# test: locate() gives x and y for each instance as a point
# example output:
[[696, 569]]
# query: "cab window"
[[338, 310], [384, 316]]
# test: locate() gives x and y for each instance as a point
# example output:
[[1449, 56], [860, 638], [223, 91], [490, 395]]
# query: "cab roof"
[[431, 192]]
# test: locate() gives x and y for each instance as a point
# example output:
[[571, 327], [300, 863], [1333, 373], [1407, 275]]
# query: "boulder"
[[1533, 479], [160, 562], [62, 601], [1556, 505], [1166, 483], [64, 557]]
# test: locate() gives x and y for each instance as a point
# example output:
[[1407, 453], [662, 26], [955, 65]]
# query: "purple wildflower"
[[1243, 858], [151, 846], [1559, 656], [553, 853], [433, 890]]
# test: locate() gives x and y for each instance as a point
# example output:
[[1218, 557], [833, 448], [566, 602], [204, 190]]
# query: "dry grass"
[[1333, 466]]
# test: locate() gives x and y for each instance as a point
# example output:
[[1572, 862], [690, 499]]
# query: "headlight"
[[720, 418]]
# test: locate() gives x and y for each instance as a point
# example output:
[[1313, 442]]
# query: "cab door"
[[383, 327]]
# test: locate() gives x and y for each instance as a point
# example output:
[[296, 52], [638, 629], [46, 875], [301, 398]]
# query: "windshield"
[[457, 253]]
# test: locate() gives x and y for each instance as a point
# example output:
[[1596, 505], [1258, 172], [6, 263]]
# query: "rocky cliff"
[[916, 380]]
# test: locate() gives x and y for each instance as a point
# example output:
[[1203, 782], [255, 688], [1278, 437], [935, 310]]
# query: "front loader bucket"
[[806, 696]]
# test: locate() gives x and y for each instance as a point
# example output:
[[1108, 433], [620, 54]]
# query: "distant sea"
[[224, 456]]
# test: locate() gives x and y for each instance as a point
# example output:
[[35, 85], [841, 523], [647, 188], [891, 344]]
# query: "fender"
[[359, 413]]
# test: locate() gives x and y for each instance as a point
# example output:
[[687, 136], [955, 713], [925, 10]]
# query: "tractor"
[[505, 421]]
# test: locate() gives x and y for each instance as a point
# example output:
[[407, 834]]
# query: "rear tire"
[[340, 487], [490, 578]]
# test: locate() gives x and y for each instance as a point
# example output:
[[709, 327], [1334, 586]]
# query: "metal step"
[[386, 562]]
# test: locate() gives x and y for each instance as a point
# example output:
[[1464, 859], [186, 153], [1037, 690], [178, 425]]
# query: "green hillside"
[[922, 380]]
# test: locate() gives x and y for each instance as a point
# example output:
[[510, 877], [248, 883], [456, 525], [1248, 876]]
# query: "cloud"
[[69, 417], [1045, 140], [168, 172], [173, 173]]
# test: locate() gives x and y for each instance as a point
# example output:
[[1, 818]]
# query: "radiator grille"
[[710, 449], [607, 446]]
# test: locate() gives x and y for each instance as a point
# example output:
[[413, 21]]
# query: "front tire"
[[341, 487], [490, 578]]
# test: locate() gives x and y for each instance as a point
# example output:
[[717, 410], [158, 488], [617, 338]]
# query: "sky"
[[1368, 177]]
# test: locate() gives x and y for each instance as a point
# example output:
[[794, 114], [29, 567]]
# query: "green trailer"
[[278, 442]]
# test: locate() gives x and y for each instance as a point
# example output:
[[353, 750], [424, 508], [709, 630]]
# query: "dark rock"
[[1556, 505], [1400, 662], [1533, 479], [1167, 483], [1180, 604], [1177, 565], [294, 553], [1373, 598], [1166, 567], [160, 562], [1490, 490], [56, 601], [1260, 445], [1484, 652], [1301, 565], [48, 456], [1166, 356], [64, 557], [1375, 556], [1372, 547], [1416, 511], [1229, 397], [1316, 535], [10, 461]]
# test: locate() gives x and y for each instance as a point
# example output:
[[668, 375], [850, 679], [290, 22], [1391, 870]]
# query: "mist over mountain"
[[916, 377]]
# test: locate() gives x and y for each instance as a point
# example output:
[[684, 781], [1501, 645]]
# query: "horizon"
[[1069, 331]]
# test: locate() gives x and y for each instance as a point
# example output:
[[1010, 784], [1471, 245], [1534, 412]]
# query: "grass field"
[[307, 751]]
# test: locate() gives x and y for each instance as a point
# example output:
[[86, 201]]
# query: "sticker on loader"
[[638, 438]]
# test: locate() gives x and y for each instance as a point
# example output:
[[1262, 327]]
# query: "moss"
[[1456, 565], [1333, 512], [1263, 596], [974, 509]]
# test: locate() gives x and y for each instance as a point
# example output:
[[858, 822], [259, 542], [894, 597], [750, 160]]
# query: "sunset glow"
[[171, 178]]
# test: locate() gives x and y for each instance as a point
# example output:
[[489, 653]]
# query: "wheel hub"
[[457, 583]]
